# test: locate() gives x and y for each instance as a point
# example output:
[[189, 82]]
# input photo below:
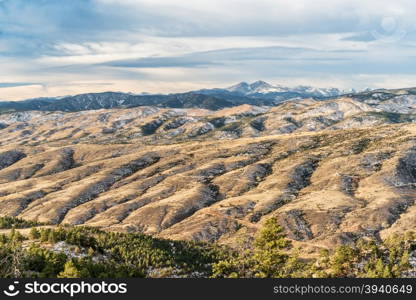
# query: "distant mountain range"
[[258, 93], [93, 101], [330, 172], [263, 90]]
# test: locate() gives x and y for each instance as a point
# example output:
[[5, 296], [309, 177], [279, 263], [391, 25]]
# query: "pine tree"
[[70, 271], [34, 234], [379, 267], [15, 235], [44, 235], [404, 260], [53, 237], [267, 258], [386, 272]]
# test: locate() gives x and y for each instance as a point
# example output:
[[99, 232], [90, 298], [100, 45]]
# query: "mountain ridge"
[[257, 93], [217, 175]]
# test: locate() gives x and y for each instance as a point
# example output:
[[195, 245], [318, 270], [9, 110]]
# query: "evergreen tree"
[[70, 271], [34, 233], [268, 258], [44, 235]]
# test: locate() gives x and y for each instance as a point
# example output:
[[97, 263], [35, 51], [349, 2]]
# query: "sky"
[[56, 48]]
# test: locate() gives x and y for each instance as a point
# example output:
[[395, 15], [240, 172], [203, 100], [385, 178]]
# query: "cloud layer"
[[51, 48]]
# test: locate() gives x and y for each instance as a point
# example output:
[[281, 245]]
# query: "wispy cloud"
[[65, 47], [16, 84]]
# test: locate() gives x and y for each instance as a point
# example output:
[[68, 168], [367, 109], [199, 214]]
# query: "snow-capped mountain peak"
[[242, 87], [257, 87], [262, 87]]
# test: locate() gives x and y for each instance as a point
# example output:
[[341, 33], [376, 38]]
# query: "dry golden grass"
[[325, 185]]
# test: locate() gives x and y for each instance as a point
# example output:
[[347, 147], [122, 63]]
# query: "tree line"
[[71, 252]]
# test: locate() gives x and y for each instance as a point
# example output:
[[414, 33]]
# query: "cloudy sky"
[[55, 47]]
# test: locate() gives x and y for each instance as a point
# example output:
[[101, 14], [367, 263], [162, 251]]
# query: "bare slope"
[[329, 171]]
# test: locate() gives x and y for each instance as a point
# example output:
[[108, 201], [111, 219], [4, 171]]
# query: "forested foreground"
[[69, 252]]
